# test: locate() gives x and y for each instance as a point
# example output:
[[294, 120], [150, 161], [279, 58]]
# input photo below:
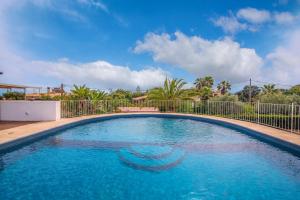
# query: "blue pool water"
[[149, 158]]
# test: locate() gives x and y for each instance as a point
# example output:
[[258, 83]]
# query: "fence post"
[[258, 112], [207, 107], [292, 118]]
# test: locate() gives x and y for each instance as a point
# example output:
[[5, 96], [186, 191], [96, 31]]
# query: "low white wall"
[[29, 110]]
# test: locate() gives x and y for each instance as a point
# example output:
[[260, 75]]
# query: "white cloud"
[[252, 19], [223, 59], [98, 74], [284, 18], [253, 15], [19, 69], [102, 74], [62, 8], [229, 24], [284, 60], [97, 4], [256, 16]]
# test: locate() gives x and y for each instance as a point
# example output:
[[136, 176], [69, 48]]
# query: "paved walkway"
[[9, 124], [30, 130]]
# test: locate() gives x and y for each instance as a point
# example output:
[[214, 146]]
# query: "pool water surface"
[[149, 158]]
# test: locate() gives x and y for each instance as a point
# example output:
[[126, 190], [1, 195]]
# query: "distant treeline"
[[174, 89]]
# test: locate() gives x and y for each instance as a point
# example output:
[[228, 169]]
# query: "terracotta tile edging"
[[10, 138]]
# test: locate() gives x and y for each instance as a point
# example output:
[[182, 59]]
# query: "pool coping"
[[13, 137]]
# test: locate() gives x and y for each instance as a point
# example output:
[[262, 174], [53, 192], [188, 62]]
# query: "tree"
[[95, 95], [187, 94], [269, 89], [138, 92], [205, 93], [295, 90], [244, 93], [138, 89], [171, 90], [206, 81], [121, 94], [80, 92], [224, 87]]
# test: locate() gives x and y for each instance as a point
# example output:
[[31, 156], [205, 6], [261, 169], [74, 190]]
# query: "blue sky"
[[110, 44]]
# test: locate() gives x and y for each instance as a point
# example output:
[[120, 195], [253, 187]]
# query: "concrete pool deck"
[[11, 124], [17, 135]]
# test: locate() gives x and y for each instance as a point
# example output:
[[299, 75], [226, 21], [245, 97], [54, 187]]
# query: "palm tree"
[[80, 92], [224, 87], [172, 90], [97, 95], [206, 93], [269, 89], [206, 81]]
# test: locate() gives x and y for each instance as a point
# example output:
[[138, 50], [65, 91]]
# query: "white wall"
[[29, 110]]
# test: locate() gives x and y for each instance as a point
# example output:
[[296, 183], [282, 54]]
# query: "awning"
[[13, 86]]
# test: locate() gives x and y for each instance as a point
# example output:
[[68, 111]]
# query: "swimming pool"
[[149, 158]]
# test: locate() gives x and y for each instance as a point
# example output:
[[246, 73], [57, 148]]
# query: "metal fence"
[[281, 116]]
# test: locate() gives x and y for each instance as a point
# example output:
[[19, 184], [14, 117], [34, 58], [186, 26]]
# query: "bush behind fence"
[[282, 116]]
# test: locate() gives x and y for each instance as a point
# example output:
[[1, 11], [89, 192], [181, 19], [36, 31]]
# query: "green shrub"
[[46, 97], [14, 96], [248, 108], [280, 98], [226, 97]]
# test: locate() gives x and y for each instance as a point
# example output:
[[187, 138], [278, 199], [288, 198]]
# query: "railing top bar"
[[234, 102], [278, 104], [179, 100]]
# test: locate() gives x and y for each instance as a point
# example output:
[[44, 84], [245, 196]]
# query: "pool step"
[[151, 158]]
